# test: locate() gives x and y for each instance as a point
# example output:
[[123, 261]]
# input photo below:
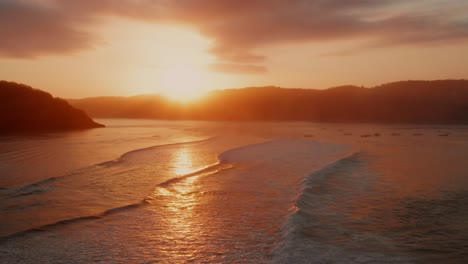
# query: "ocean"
[[145, 191]]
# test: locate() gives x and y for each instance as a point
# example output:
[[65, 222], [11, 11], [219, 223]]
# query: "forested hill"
[[24, 109], [441, 102]]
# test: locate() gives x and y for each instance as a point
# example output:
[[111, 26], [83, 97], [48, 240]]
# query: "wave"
[[209, 170], [136, 151], [226, 160], [167, 185], [13, 191], [26, 190], [48, 227], [322, 226], [295, 246], [34, 189]]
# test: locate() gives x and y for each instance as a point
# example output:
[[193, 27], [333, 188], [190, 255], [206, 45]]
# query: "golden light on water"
[[185, 222], [183, 162], [179, 199], [182, 165]]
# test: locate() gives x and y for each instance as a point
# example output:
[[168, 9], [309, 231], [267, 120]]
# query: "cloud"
[[30, 30], [240, 29], [237, 68]]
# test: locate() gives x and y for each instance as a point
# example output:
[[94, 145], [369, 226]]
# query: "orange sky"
[[181, 48]]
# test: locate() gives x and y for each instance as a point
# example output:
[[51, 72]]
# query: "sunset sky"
[[85, 48]]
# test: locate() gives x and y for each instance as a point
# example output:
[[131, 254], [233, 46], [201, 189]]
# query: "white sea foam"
[[316, 232]]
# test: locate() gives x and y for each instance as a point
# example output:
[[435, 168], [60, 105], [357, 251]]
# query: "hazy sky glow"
[[87, 48]]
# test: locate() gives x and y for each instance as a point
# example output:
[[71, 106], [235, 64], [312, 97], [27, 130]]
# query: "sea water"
[[226, 192]]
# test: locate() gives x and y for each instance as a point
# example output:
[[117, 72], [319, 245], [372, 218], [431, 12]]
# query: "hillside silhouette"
[[439, 102], [25, 109]]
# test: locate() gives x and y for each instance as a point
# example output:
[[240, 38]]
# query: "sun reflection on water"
[[179, 202], [183, 162], [185, 223]]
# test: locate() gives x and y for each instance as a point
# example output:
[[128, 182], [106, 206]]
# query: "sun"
[[182, 83]]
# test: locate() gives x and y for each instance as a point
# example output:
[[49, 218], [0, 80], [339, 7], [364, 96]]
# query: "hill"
[[440, 102], [24, 109]]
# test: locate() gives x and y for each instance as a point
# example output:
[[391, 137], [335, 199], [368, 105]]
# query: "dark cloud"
[[28, 31], [240, 29]]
